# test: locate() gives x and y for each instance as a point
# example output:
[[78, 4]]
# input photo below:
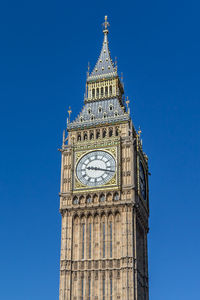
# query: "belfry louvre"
[[104, 198]]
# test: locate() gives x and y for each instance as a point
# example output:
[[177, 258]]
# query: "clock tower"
[[104, 199]]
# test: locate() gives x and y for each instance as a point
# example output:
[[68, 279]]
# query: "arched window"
[[111, 107], [110, 132], [91, 135], [89, 288], [104, 239], [85, 136], [106, 91], [97, 94], [79, 137], [83, 239], [116, 197], [111, 289], [110, 89], [104, 133], [100, 109], [110, 229], [90, 239], [75, 200], [82, 288], [117, 131], [103, 288], [102, 198], [101, 91], [98, 134], [93, 93], [89, 199]]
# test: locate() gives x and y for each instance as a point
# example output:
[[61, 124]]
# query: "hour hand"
[[99, 169]]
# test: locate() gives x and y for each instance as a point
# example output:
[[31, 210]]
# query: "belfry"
[[104, 199]]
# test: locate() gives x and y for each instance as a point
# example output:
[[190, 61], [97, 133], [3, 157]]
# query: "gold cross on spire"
[[106, 24]]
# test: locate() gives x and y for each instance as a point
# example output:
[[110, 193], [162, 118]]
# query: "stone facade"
[[104, 228]]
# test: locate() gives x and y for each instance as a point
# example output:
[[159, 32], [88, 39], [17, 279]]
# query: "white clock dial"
[[96, 168]]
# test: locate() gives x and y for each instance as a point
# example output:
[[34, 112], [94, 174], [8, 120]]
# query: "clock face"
[[142, 182], [96, 168]]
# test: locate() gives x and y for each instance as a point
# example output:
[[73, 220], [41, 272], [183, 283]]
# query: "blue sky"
[[45, 47]]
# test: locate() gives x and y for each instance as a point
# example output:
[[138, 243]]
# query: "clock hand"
[[99, 169]]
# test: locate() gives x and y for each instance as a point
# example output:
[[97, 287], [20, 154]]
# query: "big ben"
[[104, 198]]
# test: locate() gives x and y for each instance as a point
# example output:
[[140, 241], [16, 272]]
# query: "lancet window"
[[97, 92], [111, 289], [90, 239], [93, 93], [103, 289], [82, 288], [83, 240], [106, 91], [104, 239], [111, 245], [89, 288]]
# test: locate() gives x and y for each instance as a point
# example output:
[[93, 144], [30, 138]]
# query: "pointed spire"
[[104, 66]]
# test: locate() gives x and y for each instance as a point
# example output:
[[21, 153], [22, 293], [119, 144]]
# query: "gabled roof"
[[104, 66]]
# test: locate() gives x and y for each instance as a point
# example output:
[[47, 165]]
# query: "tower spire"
[[104, 66]]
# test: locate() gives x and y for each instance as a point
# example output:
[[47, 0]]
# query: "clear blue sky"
[[45, 47]]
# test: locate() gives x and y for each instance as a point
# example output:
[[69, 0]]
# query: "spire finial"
[[139, 132], [69, 112], [106, 25]]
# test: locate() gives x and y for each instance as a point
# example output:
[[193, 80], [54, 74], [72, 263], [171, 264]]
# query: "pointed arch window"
[[91, 134], [104, 133], [98, 134], [117, 131], [85, 136], [111, 289], [82, 288], [89, 289], [90, 239], [102, 198], [97, 92], [89, 199], [104, 239], [79, 137], [110, 89], [93, 93], [110, 132], [106, 91], [110, 228], [116, 197], [103, 288], [75, 200], [101, 91], [83, 240]]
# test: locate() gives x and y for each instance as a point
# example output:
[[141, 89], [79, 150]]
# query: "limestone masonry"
[[104, 199]]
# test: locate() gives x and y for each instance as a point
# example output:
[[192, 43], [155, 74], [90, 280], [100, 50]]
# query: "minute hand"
[[99, 169]]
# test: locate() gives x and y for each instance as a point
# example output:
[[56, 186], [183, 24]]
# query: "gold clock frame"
[[113, 183]]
